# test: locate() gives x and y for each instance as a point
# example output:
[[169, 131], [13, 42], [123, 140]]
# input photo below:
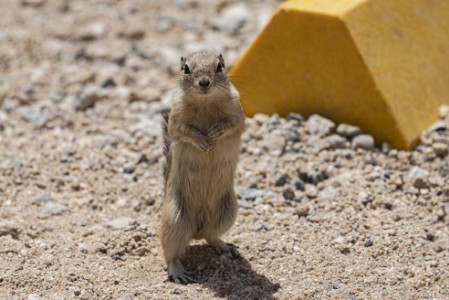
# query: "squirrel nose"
[[204, 82]]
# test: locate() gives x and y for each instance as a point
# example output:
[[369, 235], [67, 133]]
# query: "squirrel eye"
[[186, 69], [219, 68]]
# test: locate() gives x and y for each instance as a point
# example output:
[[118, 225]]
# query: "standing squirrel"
[[202, 137]]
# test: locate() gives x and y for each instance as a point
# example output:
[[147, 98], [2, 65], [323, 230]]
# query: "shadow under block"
[[382, 65]]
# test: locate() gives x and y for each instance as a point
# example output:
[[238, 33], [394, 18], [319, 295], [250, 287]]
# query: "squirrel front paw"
[[204, 145], [215, 131]]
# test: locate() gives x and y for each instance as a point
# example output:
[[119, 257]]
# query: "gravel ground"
[[323, 212]]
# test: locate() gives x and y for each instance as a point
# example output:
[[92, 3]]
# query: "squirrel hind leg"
[[175, 235]]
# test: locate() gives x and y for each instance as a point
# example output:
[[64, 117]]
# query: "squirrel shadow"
[[227, 277]]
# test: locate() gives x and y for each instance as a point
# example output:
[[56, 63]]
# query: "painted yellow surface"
[[380, 64]]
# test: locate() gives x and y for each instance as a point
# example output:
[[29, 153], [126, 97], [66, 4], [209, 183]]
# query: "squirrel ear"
[[221, 60], [183, 61]]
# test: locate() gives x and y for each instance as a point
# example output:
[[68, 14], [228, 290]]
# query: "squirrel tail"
[[166, 139]]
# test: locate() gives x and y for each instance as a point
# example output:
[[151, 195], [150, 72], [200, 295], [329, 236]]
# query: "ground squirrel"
[[202, 137]]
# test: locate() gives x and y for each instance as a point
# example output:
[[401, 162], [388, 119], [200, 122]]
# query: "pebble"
[[418, 177], [368, 243], [36, 115], [33, 297], [108, 83], [120, 223], [440, 149], [132, 33], [363, 141], [333, 142], [437, 126], [141, 251], [40, 199], [55, 209], [443, 111], [33, 3], [318, 125], [348, 131], [288, 194], [261, 118], [250, 194], [329, 193], [311, 191], [302, 211], [9, 228], [281, 180], [300, 185], [274, 144], [296, 117], [129, 168], [87, 97], [251, 179], [75, 290], [92, 31]]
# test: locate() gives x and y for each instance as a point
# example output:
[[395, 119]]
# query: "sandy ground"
[[323, 214]]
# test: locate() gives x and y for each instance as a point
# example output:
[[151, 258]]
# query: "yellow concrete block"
[[382, 65]]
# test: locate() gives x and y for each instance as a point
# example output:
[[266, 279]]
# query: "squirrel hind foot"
[[177, 274]]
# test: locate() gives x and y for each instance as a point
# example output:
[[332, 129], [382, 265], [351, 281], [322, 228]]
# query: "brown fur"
[[203, 143]]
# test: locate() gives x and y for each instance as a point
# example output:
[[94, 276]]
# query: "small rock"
[[40, 199], [87, 97], [129, 168], [9, 228], [318, 125], [363, 141], [386, 147], [446, 208], [250, 194], [328, 193], [437, 126], [311, 191], [281, 180], [92, 31], [313, 176], [109, 82], [36, 115], [120, 223], [302, 211], [261, 118], [132, 33], [33, 3], [293, 135], [339, 240], [75, 290], [54, 208], [33, 297], [141, 251], [288, 194], [440, 149], [251, 179], [443, 111], [333, 142], [348, 131], [368, 243], [418, 177], [295, 116], [274, 144], [300, 185]]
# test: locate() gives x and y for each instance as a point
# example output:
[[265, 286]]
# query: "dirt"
[[323, 214]]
